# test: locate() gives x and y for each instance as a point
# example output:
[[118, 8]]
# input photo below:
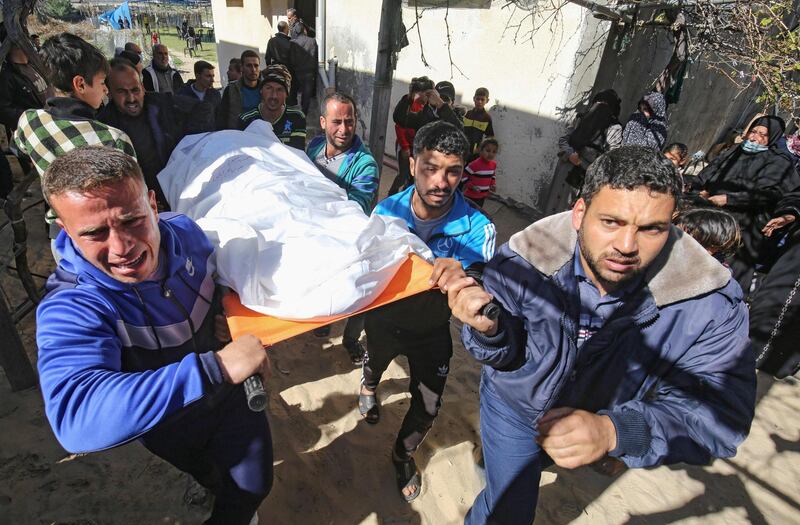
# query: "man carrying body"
[[241, 95], [130, 342], [462, 239], [289, 124], [618, 337], [155, 122], [159, 76], [342, 157]]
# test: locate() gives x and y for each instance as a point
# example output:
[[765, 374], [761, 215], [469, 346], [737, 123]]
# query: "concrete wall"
[[529, 82], [710, 104], [246, 27]]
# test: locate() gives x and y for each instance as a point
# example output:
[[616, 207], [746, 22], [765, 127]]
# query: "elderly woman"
[[748, 181], [775, 310]]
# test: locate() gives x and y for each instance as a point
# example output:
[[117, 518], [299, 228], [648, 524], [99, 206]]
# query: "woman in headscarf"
[[648, 125], [596, 132], [775, 309], [748, 181]]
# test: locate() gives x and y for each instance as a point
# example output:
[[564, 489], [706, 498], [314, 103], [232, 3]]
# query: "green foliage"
[[61, 9]]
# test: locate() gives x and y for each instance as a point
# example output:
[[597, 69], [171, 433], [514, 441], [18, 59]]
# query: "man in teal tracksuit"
[[342, 157]]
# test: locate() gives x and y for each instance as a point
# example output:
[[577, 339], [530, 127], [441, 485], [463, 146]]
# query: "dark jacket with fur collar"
[[672, 367]]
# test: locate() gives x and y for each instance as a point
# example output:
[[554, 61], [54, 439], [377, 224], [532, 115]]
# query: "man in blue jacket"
[[343, 158], [130, 343], [619, 337], [462, 241]]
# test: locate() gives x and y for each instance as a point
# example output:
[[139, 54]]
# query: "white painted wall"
[[247, 27], [528, 81]]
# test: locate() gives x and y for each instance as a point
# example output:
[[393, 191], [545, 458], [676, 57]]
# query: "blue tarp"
[[115, 15]]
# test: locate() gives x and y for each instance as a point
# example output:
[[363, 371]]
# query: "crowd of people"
[[622, 337]]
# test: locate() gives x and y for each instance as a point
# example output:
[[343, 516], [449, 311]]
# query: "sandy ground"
[[332, 468]]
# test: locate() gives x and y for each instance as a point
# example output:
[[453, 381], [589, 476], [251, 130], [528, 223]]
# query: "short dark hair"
[[120, 64], [236, 63], [131, 46], [443, 137], [338, 96], [716, 230], [200, 66], [249, 53], [86, 168], [679, 148], [631, 167], [489, 141], [68, 56], [283, 26], [481, 92]]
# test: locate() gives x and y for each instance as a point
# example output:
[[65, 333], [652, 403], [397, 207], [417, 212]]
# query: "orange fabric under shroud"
[[411, 278]]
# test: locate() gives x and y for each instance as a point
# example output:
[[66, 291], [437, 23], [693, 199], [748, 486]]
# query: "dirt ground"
[[332, 468]]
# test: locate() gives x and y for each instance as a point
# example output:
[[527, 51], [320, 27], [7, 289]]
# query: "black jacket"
[[170, 118], [278, 50], [303, 55], [753, 183], [17, 93], [405, 118]]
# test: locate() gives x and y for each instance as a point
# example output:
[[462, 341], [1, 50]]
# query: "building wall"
[[710, 105], [530, 82], [247, 27]]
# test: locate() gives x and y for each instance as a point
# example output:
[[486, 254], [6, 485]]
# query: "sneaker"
[[323, 331], [355, 350]]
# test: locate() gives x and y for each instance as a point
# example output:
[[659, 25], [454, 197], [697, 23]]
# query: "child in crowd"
[[78, 71], [678, 153], [716, 230], [478, 122], [479, 175]]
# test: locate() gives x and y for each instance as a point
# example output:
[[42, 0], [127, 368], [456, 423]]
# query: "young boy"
[[78, 72], [478, 122], [479, 175]]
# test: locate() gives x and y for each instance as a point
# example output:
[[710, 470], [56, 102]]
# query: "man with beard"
[[462, 241], [155, 122], [159, 76], [289, 124], [342, 157], [619, 340], [242, 94]]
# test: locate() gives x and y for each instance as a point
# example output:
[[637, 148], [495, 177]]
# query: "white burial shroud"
[[286, 238]]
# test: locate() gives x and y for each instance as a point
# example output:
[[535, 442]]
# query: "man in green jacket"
[[342, 157]]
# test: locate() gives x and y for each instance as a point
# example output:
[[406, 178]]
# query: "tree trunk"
[[14, 19]]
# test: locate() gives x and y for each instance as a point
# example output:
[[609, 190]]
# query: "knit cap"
[[277, 73]]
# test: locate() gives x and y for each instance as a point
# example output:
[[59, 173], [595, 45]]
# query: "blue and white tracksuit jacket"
[[117, 359], [467, 236]]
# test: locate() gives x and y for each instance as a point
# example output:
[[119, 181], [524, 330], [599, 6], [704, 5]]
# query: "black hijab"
[[603, 113]]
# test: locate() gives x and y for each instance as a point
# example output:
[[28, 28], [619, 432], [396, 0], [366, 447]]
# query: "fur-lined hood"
[[682, 270]]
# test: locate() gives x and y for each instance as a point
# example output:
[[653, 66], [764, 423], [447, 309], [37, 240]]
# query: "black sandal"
[[369, 408], [407, 475]]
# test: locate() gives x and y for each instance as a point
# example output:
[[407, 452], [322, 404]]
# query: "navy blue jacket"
[[672, 368]]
